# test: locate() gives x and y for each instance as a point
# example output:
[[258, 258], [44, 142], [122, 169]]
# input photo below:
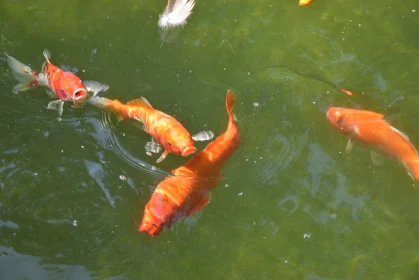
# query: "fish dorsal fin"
[[47, 55], [400, 133], [140, 102], [201, 204], [404, 136]]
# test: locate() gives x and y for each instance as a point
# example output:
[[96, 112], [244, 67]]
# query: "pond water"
[[292, 204]]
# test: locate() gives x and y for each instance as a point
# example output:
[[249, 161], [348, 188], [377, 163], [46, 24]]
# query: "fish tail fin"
[[108, 105], [345, 91], [176, 13], [47, 55], [230, 100], [26, 77]]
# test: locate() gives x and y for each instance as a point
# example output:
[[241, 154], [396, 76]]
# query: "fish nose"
[[188, 151]]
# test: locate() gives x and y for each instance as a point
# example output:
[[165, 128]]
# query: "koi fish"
[[372, 129], [305, 2], [64, 85], [176, 13], [164, 129], [188, 190]]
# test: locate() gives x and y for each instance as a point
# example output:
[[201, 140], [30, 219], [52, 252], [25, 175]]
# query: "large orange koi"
[[372, 129], [188, 190], [164, 129]]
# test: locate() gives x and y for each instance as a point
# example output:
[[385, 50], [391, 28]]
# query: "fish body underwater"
[[188, 190], [370, 128], [164, 129]]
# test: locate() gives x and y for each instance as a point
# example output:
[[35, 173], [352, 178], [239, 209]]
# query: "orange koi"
[[164, 129], [188, 190], [370, 128], [64, 85], [305, 2]]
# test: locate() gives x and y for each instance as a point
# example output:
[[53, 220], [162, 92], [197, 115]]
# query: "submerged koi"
[[164, 129], [372, 129], [188, 190], [64, 85]]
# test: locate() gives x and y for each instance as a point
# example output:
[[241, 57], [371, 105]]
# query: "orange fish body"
[[372, 129], [165, 129], [66, 85], [305, 2], [188, 190]]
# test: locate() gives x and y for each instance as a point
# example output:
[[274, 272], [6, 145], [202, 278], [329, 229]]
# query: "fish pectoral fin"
[[94, 87], [152, 147], [350, 146], [203, 135], [201, 204], [163, 156], [56, 105], [377, 158], [47, 55]]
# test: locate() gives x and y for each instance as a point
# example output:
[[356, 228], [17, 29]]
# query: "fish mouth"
[[79, 94], [188, 151]]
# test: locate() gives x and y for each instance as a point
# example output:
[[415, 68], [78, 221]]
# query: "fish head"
[[150, 224], [180, 142], [73, 88], [343, 119]]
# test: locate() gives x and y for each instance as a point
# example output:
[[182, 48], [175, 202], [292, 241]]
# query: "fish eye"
[[339, 120], [168, 143]]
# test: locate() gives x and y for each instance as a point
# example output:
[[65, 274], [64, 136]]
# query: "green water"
[[292, 205]]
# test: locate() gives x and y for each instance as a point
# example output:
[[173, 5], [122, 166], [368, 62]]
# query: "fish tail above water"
[[26, 77], [176, 13]]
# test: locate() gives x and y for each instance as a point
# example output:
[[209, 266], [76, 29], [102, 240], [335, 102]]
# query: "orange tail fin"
[[230, 100], [345, 91]]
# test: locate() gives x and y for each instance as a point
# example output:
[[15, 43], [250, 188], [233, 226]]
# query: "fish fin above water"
[[95, 87], [201, 204], [56, 105], [176, 13], [140, 102], [203, 135], [163, 156], [349, 146], [377, 158], [152, 147], [47, 55]]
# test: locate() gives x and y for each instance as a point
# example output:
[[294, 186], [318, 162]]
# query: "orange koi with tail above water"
[[64, 85], [370, 128], [165, 130], [188, 190]]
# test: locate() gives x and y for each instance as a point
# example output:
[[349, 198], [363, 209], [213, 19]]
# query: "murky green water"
[[292, 205]]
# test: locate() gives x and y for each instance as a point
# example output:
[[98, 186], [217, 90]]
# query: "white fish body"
[[176, 13]]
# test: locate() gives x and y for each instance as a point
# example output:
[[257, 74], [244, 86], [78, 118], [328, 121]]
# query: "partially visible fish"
[[370, 128], [188, 190], [305, 2], [164, 129], [176, 13]]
